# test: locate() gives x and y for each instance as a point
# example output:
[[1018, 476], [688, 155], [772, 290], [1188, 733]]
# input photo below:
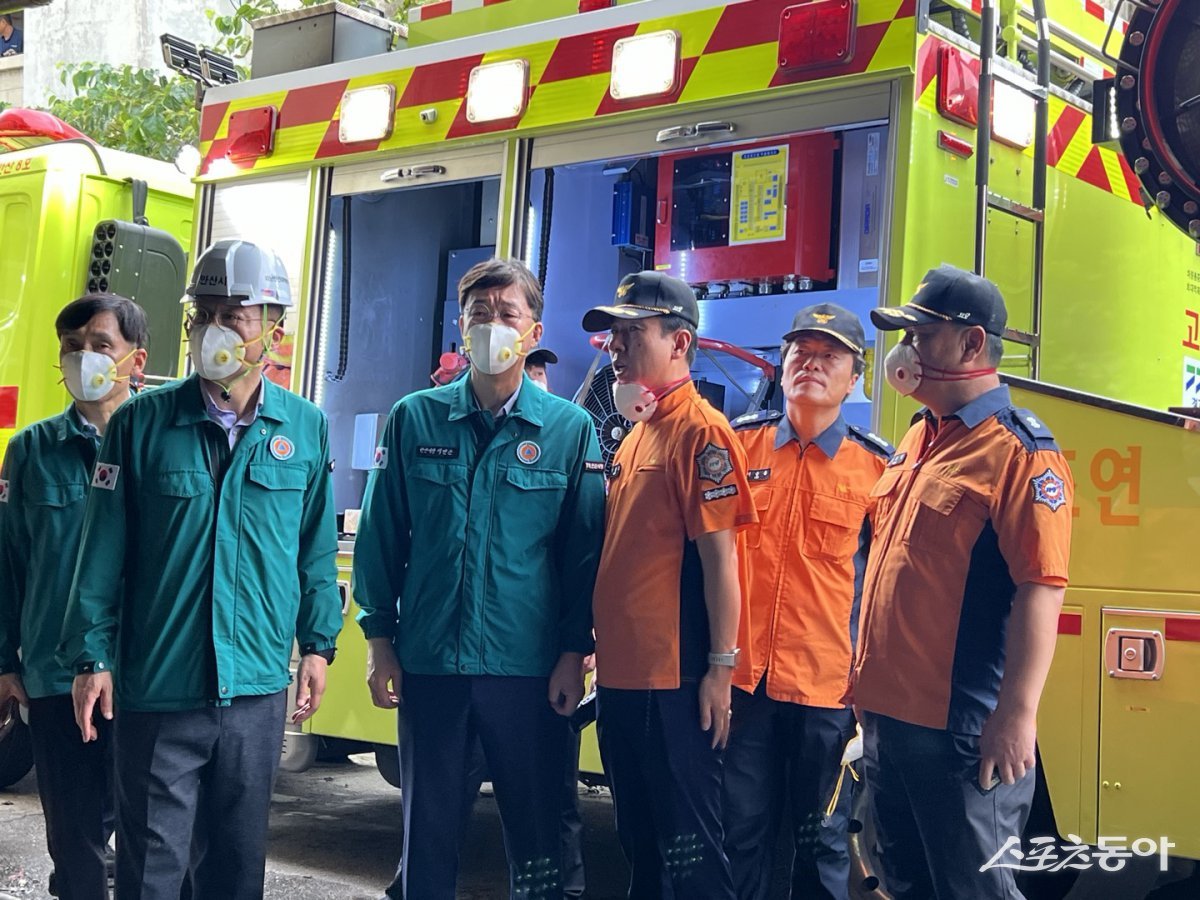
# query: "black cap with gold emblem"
[[948, 294], [645, 294], [830, 319]]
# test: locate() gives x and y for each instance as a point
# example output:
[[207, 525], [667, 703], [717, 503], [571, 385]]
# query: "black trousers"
[[195, 786], [937, 827], [666, 784], [786, 754], [75, 783], [527, 747]]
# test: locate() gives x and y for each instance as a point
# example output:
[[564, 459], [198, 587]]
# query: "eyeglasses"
[[510, 315], [226, 318]]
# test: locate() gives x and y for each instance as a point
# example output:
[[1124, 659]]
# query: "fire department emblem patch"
[[282, 448], [3, 491], [528, 452], [1049, 489], [712, 463], [381, 455], [105, 476]]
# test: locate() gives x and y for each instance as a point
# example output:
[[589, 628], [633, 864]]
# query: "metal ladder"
[[985, 199]]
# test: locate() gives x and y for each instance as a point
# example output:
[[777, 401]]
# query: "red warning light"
[[817, 34]]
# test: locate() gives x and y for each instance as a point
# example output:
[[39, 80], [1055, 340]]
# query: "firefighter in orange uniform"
[[668, 597], [960, 600], [810, 476]]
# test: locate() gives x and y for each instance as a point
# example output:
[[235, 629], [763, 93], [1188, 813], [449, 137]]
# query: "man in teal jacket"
[[102, 340], [474, 566], [209, 545]]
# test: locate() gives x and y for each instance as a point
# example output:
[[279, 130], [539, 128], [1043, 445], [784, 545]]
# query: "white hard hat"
[[241, 272]]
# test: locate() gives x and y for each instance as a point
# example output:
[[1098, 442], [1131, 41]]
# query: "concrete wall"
[[75, 31], [11, 70]]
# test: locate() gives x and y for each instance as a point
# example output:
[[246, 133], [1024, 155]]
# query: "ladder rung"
[[1013, 208], [1022, 337]]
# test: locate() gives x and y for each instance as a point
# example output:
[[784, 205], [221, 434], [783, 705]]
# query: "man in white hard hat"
[[208, 545]]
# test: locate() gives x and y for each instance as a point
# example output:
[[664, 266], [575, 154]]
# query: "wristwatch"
[[311, 650], [725, 659]]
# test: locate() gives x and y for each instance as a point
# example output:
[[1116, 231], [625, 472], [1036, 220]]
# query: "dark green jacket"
[[43, 485], [478, 545], [217, 582]]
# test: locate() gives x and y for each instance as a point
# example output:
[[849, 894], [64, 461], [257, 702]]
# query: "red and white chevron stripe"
[[445, 8]]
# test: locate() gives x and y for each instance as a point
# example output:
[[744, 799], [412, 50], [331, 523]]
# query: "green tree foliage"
[[153, 114], [126, 108]]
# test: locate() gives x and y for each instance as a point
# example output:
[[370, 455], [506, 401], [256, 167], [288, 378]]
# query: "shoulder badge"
[[1032, 431], [381, 457], [1049, 490], [3, 490], [713, 463], [757, 419], [872, 441]]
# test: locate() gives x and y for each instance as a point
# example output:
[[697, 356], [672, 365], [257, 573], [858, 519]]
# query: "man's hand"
[[714, 703], [310, 686], [11, 691], [85, 691], [1006, 747], [383, 673], [566, 683]]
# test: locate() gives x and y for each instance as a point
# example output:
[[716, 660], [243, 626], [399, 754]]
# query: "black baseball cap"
[[642, 295], [948, 294], [541, 356], [830, 319]]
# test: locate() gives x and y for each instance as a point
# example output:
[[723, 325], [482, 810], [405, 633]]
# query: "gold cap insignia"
[[824, 318]]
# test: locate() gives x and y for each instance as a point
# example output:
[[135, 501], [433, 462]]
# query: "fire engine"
[[77, 217], [773, 153]]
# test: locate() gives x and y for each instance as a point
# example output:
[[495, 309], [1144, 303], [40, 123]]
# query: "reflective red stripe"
[[1182, 629], [8, 407], [1070, 623]]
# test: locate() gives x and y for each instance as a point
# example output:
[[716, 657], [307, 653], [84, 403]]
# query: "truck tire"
[[16, 750], [387, 760]]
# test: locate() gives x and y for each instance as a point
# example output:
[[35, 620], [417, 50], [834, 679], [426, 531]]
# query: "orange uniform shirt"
[[679, 475], [969, 507], [806, 556]]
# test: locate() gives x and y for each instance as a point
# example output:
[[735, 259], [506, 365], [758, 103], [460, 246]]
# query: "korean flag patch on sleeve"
[[105, 476], [3, 491], [381, 457]]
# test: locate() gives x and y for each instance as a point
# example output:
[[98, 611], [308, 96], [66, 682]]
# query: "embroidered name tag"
[[438, 452], [593, 466], [759, 474], [728, 490]]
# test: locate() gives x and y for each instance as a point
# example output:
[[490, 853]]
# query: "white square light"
[[1012, 115], [498, 91], [645, 65], [367, 114]]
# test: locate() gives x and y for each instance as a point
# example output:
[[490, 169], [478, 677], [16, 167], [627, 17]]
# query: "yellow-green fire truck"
[[771, 153], [76, 217]]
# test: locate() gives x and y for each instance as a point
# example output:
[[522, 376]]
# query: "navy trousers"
[[75, 783], [937, 827], [527, 747], [195, 787], [666, 784], [785, 754]]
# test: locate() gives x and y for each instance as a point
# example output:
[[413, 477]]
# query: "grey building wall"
[[106, 31]]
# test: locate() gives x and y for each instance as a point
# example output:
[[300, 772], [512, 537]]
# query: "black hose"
[[344, 335], [547, 218]]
